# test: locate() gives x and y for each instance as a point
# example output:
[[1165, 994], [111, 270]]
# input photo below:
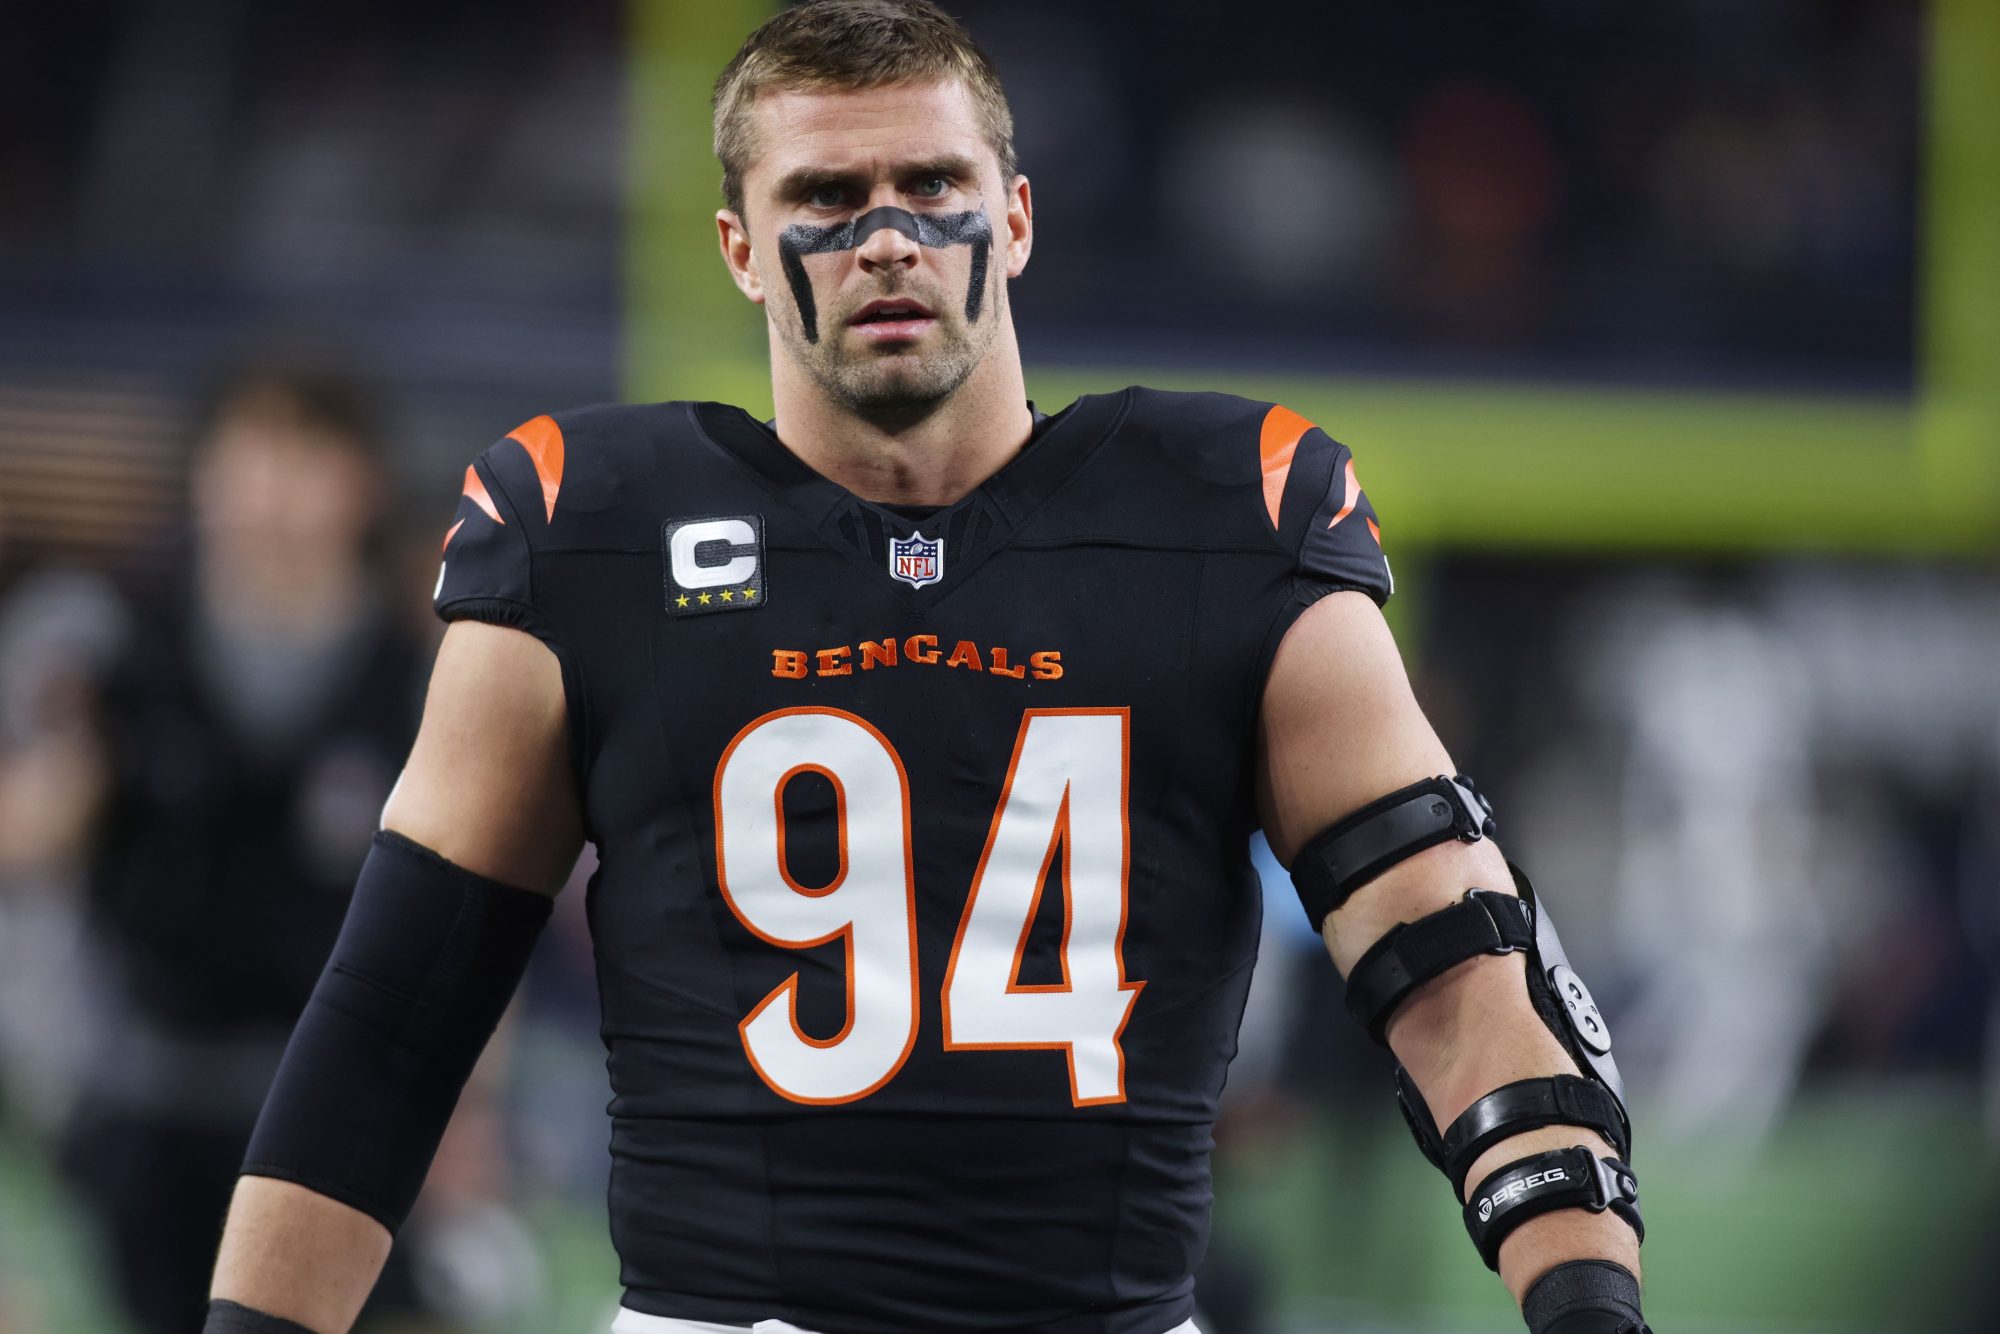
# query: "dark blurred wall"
[[433, 189]]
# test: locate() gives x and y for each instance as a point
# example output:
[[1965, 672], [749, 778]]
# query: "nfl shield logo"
[[916, 559]]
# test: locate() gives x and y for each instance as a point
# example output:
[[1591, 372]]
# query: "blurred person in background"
[[224, 749]]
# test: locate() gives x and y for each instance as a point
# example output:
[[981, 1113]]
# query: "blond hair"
[[853, 44]]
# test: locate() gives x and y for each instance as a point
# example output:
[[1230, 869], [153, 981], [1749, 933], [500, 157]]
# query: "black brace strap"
[[1351, 852], [1572, 1178], [1528, 1104], [1409, 955]]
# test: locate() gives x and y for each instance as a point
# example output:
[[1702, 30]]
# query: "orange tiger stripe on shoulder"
[[1279, 440], [1348, 501], [476, 491], [543, 440]]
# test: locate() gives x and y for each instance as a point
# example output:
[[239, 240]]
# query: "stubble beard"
[[899, 386]]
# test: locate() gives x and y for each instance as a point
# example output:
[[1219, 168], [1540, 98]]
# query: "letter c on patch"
[[692, 572]]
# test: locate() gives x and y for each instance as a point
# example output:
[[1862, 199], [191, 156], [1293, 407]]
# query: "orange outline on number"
[[788, 989], [1124, 906]]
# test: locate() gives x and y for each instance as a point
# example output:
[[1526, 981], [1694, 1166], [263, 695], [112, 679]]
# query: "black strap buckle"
[[1407, 956], [1352, 851]]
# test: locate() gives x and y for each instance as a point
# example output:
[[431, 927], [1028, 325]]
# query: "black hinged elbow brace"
[[1384, 833], [425, 964]]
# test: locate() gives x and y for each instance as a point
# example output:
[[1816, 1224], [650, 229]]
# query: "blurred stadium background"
[[1667, 338]]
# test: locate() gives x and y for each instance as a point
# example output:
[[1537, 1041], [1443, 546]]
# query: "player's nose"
[[887, 248]]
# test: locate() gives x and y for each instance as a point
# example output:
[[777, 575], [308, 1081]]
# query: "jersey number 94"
[[1065, 793]]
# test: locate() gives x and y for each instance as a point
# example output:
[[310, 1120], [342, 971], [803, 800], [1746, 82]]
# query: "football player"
[[921, 736]]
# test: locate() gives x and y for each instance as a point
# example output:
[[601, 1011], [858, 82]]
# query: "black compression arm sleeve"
[[231, 1318], [1585, 1297], [425, 964]]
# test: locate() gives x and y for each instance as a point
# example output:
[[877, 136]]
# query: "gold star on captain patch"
[[749, 592], [681, 601], [704, 599], [728, 596]]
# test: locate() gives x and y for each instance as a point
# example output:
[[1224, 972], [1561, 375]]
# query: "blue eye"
[[932, 187], [827, 196]]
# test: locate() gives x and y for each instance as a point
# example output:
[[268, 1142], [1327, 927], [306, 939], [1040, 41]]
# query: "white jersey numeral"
[[870, 903], [1066, 791]]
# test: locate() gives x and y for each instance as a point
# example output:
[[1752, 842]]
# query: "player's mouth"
[[892, 320]]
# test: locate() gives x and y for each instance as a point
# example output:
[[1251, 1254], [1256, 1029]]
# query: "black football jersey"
[[924, 915]]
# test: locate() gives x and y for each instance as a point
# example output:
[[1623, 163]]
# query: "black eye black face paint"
[[932, 229]]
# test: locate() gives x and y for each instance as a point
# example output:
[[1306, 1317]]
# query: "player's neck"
[[934, 459]]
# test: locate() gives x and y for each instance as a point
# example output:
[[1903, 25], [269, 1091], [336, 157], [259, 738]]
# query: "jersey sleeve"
[[1326, 516], [488, 573], [1321, 517]]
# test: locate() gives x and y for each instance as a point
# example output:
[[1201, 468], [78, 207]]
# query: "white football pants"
[[635, 1322]]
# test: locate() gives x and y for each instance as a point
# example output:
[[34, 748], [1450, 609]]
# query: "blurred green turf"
[[48, 1284], [1825, 1230]]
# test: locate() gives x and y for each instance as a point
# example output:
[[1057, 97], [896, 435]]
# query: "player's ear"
[[735, 240], [1020, 226]]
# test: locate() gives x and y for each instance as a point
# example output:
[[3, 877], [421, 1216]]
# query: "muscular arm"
[[1340, 728], [488, 787]]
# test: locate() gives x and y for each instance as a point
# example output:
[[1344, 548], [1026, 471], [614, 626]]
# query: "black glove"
[[1585, 1297]]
